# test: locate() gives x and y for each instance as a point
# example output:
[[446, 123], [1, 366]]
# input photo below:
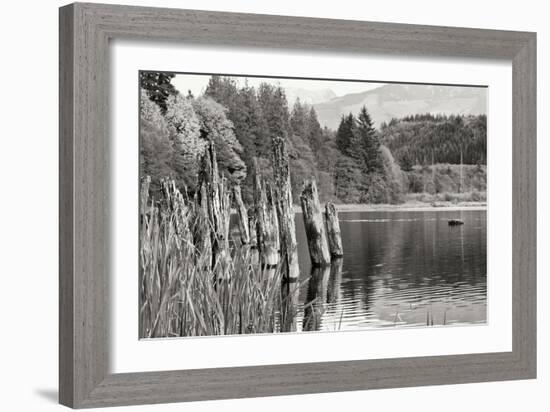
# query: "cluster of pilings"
[[197, 229], [270, 227], [322, 229]]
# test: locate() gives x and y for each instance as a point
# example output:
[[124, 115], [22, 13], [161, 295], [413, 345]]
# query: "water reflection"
[[290, 295], [316, 298], [399, 269]]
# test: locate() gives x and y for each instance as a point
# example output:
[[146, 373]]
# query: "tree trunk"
[[314, 225], [333, 231], [265, 230], [287, 226], [243, 215]]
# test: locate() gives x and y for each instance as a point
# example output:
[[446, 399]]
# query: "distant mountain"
[[399, 100], [308, 96]]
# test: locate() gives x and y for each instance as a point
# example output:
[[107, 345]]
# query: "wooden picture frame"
[[85, 31]]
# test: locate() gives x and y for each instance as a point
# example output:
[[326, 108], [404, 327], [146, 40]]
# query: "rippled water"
[[399, 269]]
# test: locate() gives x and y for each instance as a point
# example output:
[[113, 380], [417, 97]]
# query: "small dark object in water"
[[456, 222]]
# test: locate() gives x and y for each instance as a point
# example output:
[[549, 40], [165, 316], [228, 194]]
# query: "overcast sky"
[[395, 102], [197, 84]]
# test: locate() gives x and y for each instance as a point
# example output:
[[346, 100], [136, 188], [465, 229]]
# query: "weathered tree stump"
[[144, 208], [273, 214], [287, 226], [144, 194], [175, 202], [253, 236], [218, 205], [334, 235], [242, 214], [252, 228], [201, 233], [266, 232], [314, 225]]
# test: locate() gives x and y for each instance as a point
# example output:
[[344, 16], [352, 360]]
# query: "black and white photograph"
[[272, 205]]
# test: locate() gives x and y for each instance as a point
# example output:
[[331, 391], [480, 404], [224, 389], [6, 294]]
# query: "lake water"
[[400, 269]]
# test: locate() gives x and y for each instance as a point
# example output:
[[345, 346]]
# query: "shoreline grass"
[[182, 293]]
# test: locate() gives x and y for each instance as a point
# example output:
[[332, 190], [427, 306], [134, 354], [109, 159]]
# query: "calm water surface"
[[400, 269]]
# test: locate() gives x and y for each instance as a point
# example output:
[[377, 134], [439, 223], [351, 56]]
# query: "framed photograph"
[[256, 205]]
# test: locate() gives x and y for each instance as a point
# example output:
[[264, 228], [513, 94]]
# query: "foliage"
[[348, 180], [344, 135], [395, 177], [274, 107], [355, 163], [158, 87], [366, 172], [155, 154], [366, 147], [302, 163], [216, 127], [446, 178], [186, 139], [429, 139], [249, 125], [180, 115]]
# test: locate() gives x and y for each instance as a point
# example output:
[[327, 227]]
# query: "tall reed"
[[182, 292]]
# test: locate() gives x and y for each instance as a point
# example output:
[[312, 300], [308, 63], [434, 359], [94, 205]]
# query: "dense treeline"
[[354, 164], [429, 139], [260, 115]]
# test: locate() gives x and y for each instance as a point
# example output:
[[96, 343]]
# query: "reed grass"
[[181, 292]]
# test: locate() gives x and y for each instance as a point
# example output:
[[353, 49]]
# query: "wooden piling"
[[314, 225], [252, 228], [253, 236], [334, 235], [242, 215], [202, 237], [287, 226], [273, 214], [217, 204], [266, 232]]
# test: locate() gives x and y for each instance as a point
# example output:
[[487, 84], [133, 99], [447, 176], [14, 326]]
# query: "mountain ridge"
[[399, 100]]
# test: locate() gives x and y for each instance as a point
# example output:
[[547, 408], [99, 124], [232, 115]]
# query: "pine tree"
[[314, 132], [274, 107], [158, 86], [223, 90], [367, 143], [299, 119], [344, 134], [251, 132]]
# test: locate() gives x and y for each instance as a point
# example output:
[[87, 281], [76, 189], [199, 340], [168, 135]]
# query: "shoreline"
[[408, 207]]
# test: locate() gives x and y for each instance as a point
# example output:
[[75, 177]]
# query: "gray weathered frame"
[[85, 31]]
